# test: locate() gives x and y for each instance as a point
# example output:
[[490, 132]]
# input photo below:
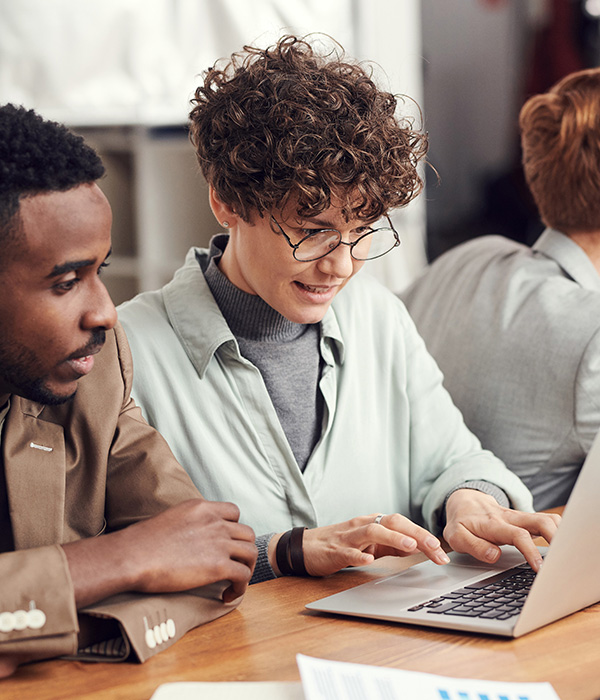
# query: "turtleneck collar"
[[247, 315]]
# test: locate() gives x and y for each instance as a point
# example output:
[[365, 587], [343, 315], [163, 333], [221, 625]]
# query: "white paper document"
[[335, 680], [267, 690]]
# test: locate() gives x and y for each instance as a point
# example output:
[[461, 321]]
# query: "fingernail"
[[443, 558], [491, 554], [432, 542]]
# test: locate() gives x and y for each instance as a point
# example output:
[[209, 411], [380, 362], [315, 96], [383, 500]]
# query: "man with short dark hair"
[[102, 534]]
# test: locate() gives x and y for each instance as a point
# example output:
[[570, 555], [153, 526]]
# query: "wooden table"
[[260, 639]]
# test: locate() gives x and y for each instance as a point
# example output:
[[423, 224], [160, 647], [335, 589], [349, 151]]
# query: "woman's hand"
[[477, 525], [359, 541]]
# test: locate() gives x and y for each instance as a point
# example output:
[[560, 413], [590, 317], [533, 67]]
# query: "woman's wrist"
[[286, 553], [271, 549]]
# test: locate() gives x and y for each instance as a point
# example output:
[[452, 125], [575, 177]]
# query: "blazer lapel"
[[35, 470]]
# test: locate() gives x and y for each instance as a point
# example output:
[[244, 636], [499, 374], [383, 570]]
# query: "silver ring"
[[379, 518]]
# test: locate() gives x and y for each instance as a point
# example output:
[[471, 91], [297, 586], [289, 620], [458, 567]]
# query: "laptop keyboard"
[[497, 597]]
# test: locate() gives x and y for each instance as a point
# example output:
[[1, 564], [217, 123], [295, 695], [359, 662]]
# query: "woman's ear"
[[223, 213]]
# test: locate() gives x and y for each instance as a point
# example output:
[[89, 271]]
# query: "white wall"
[[99, 62], [389, 33], [120, 67]]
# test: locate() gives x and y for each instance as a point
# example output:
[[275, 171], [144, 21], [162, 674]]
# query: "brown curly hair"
[[285, 123], [560, 136]]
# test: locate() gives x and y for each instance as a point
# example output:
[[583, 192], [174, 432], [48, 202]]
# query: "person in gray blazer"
[[516, 330]]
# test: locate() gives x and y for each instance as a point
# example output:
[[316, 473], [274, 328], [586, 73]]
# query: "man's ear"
[[223, 213]]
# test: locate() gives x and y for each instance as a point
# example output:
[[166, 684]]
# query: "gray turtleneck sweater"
[[286, 353]]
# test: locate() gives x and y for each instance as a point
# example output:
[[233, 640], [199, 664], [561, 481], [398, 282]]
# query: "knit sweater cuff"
[[262, 570], [483, 486]]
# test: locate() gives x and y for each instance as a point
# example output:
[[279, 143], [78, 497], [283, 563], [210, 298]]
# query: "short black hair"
[[36, 156]]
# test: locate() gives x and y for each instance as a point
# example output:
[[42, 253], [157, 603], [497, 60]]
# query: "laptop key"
[[464, 612], [508, 608], [491, 614], [442, 609]]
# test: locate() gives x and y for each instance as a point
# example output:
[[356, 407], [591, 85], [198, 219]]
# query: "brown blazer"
[[74, 471]]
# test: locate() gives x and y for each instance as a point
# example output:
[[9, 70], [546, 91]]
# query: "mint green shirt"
[[392, 440]]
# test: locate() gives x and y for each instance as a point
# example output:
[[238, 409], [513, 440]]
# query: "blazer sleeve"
[[38, 616], [148, 624]]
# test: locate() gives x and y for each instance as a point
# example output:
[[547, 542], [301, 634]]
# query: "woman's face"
[[260, 261]]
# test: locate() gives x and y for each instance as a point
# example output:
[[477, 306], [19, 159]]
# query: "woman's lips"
[[321, 290]]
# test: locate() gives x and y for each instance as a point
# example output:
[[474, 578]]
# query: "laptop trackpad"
[[462, 568]]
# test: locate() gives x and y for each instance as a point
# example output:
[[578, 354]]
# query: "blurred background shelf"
[[159, 201]]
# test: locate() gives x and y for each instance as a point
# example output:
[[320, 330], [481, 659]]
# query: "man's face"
[[54, 308], [260, 261]]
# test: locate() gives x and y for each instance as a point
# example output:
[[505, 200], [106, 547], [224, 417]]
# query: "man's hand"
[[359, 541], [477, 524], [191, 544], [9, 664]]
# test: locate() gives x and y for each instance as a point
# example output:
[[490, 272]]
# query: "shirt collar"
[[331, 335], [198, 322], [194, 313], [571, 258]]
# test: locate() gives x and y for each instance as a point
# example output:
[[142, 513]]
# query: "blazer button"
[[171, 627], [157, 634], [7, 622], [150, 641], [20, 620], [36, 619], [163, 631]]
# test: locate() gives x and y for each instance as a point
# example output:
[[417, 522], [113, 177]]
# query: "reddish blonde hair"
[[560, 136]]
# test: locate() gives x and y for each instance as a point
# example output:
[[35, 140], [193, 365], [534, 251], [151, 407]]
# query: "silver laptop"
[[506, 599]]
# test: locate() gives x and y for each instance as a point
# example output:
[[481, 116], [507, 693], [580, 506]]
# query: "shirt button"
[[7, 622], [36, 619], [20, 619]]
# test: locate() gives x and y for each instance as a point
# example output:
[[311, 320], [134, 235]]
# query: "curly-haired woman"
[[281, 380]]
